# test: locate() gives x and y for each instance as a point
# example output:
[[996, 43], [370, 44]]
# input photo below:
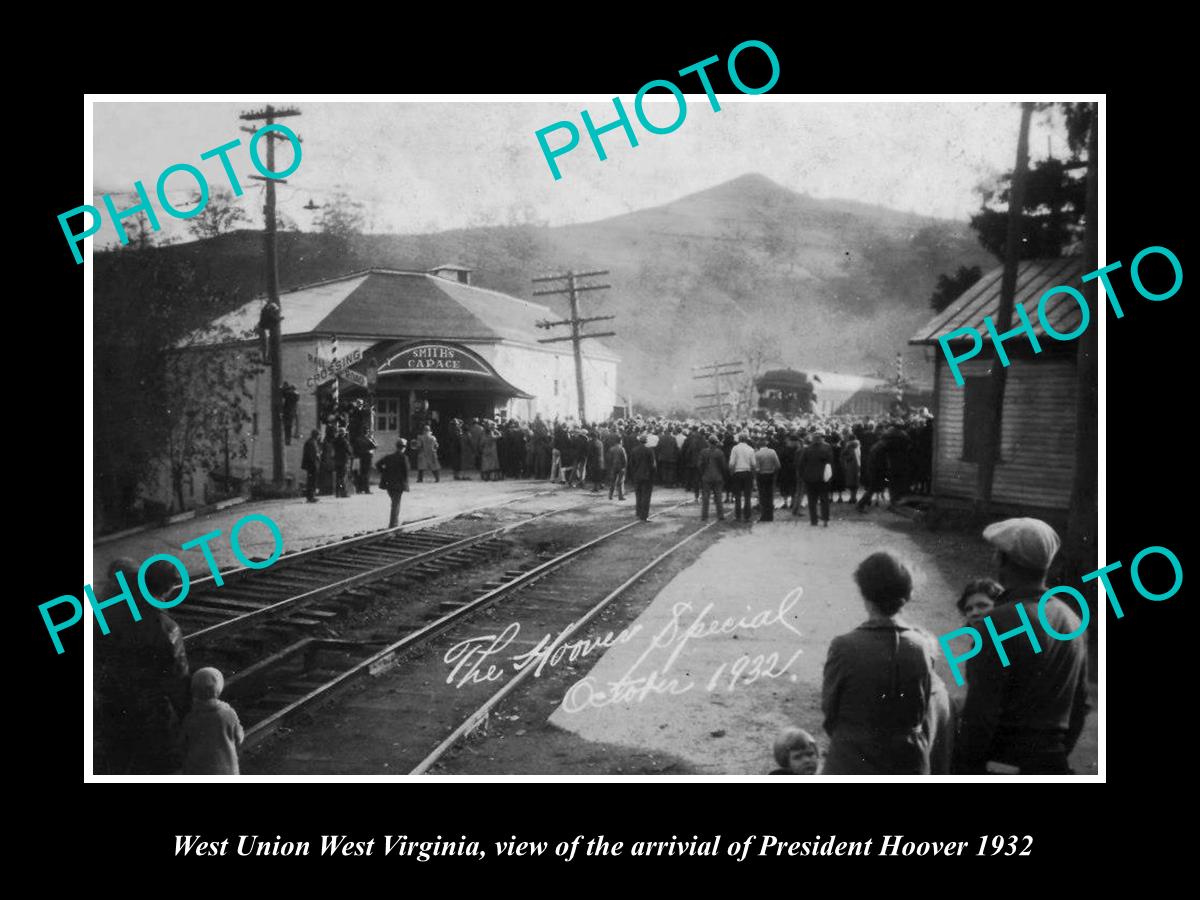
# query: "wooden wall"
[[1037, 443]]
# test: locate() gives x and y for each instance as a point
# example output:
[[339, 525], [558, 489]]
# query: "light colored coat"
[[427, 458]]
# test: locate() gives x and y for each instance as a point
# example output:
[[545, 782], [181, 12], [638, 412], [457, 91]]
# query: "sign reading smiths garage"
[[436, 357]]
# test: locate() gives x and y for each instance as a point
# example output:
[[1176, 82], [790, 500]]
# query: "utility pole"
[[719, 371], [572, 290], [1004, 313], [275, 320], [1080, 548]]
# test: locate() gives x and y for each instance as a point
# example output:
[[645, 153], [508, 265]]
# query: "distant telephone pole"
[[572, 290], [718, 371], [275, 320]]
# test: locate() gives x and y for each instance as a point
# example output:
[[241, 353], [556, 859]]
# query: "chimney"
[[453, 272]]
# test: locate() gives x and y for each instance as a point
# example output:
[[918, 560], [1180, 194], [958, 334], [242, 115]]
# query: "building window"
[[387, 414], [976, 391]]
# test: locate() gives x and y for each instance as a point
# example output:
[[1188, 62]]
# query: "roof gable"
[[1034, 278]]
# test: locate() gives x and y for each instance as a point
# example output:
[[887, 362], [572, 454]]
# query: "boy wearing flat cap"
[[1030, 713]]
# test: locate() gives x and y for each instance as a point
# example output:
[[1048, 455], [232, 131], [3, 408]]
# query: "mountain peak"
[[752, 180]]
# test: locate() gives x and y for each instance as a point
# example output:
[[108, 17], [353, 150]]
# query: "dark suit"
[[712, 470], [810, 468], [641, 472], [310, 462], [394, 480], [668, 457]]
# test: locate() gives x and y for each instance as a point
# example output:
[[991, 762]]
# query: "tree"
[[758, 345], [221, 214], [342, 217], [342, 221], [1055, 196], [205, 390], [145, 303], [951, 287]]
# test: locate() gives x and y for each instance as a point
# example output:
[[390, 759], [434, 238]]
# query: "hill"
[[840, 285]]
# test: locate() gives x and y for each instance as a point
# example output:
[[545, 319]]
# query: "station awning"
[[428, 366]]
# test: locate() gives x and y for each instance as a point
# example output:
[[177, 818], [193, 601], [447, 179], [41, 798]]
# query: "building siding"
[[1037, 441]]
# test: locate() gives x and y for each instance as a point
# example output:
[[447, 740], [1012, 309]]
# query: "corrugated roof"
[[385, 303], [1034, 278]]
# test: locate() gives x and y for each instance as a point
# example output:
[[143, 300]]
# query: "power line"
[[576, 337], [272, 314]]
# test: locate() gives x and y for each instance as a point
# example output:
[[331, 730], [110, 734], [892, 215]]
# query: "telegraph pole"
[[572, 290], [1004, 313], [719, 371], [275, 322]]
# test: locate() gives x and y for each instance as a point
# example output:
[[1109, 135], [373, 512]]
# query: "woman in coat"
[[427, 458], [886, 710], [490, 464]]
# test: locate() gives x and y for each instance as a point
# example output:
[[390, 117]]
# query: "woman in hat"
[[886, 710]]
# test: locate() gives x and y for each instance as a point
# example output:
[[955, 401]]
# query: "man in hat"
[[617, 460], [713, 470], [811, 468], [641, 472], [766, 464], [394, 478], [310, 462], [1030, 713]]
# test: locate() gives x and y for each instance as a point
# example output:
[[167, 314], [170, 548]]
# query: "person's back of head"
[[207, 684], [885, 581]]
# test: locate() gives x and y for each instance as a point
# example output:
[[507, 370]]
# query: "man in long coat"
[[394, 478], [642, 467], [667, 452], [310, 462]]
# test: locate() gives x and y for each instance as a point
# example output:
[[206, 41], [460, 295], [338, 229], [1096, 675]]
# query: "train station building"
[[424, 346]]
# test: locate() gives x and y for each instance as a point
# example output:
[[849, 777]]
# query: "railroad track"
[[293, 682]]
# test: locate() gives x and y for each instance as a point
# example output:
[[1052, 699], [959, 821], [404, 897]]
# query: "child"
[[211, 731], [978, 599], [796, 753]]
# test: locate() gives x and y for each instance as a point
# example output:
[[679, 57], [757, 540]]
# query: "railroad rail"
[[312, 671], [289, 593]]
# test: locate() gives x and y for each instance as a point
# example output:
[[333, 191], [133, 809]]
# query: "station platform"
[[304, 525]]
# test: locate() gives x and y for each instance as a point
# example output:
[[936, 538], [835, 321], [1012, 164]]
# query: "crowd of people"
[[887, 712], [808, 462]]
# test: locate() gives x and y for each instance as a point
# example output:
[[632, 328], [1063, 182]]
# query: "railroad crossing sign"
[[354, 377]]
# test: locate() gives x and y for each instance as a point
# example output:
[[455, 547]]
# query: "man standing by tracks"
[[712, 472], [617, 460], [742, 466], [641, 472], [311, 464], [814, 463], [394, 478]]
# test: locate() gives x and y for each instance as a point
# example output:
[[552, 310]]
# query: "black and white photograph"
[[677, 435]]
